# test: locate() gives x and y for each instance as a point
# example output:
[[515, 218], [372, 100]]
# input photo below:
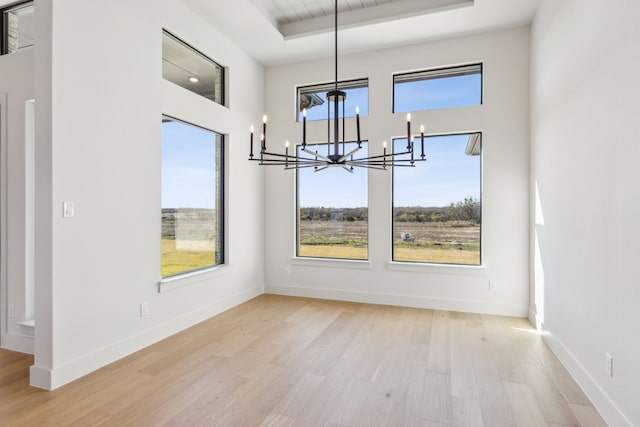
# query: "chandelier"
[[308, 158]]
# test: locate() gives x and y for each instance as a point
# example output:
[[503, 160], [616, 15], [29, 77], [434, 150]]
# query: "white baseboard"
[[450, 304], [533, 318], [40, 377], [19, 343], [50, 379], [600, 400]]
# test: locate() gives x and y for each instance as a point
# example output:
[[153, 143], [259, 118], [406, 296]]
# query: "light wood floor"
[[280, 361]]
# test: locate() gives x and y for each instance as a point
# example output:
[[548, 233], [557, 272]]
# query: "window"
[[436, 205], [17, 27], [440, 88], [332, 210], [314, 98], [192, 197], [190, 69]]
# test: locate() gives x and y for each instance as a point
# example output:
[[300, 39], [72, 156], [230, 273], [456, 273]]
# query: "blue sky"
[[188, 166], [333, 187], [447, 176], [355, 97], [188, 157], [438, 93]]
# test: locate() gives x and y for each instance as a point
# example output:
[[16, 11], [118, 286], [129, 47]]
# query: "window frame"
[[297, 215], [220, 212], [453, 265], [4, 24], [435, 73], [223, 70], [343, 85]]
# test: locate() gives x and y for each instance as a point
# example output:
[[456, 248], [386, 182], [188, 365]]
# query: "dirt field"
[[454, 243]]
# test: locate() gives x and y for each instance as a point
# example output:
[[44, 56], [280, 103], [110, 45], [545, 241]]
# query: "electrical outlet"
[[287, 271], [12, 311], [493, 285], [608, 364], [144, 308]]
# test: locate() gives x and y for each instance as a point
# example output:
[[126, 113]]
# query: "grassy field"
[[333, 251], [439, 242], [334, 239], [190, 255], [452, 242], [188, 239]]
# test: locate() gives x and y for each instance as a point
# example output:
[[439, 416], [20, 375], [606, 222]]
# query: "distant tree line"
[[334, 214], [467, 210]]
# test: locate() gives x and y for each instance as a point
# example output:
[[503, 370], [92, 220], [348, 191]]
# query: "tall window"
[[436, 205], [332, 210], [17, 27], [440, 88], [192, 197], [191, 69], [314, 99]]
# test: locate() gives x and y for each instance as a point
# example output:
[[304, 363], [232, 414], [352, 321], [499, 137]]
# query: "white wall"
[[504, 121], [98, 139], [16, 87], [585, 67]]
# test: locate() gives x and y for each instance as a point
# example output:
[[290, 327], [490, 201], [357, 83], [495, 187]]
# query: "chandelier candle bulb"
[[262, 145]]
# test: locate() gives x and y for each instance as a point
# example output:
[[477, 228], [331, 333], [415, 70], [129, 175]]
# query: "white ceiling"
[[285, 31], [288, 11]]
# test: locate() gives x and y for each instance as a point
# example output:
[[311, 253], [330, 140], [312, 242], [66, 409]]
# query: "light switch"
[[68, 209]]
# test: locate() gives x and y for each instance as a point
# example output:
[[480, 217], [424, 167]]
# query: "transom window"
[[313, 98], [439, 88], [191, 69], [436, 205]]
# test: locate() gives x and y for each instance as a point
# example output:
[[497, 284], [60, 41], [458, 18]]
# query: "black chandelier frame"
[[339, 158]]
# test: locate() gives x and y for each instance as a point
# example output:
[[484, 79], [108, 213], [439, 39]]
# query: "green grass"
[[416, 254], [448, 243], [333, 251], [451, 242], [193, 256], [444, 256]]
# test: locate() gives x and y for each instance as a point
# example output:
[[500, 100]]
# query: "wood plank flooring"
[[280, 361]]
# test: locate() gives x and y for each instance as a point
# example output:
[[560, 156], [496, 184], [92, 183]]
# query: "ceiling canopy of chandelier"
[[339, 157]]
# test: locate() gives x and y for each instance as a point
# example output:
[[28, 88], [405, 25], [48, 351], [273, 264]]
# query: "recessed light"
[[194, 79]]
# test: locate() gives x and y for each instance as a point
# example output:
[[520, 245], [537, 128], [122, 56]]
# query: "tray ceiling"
[[284, 31]]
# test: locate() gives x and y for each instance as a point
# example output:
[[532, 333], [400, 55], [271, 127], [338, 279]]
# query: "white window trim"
[[353, 264], [186, 279], [423, 267]]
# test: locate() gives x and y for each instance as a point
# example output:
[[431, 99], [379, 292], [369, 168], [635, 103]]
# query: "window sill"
[[464, 270], [29, 323], [186, 279], [332, 263]]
